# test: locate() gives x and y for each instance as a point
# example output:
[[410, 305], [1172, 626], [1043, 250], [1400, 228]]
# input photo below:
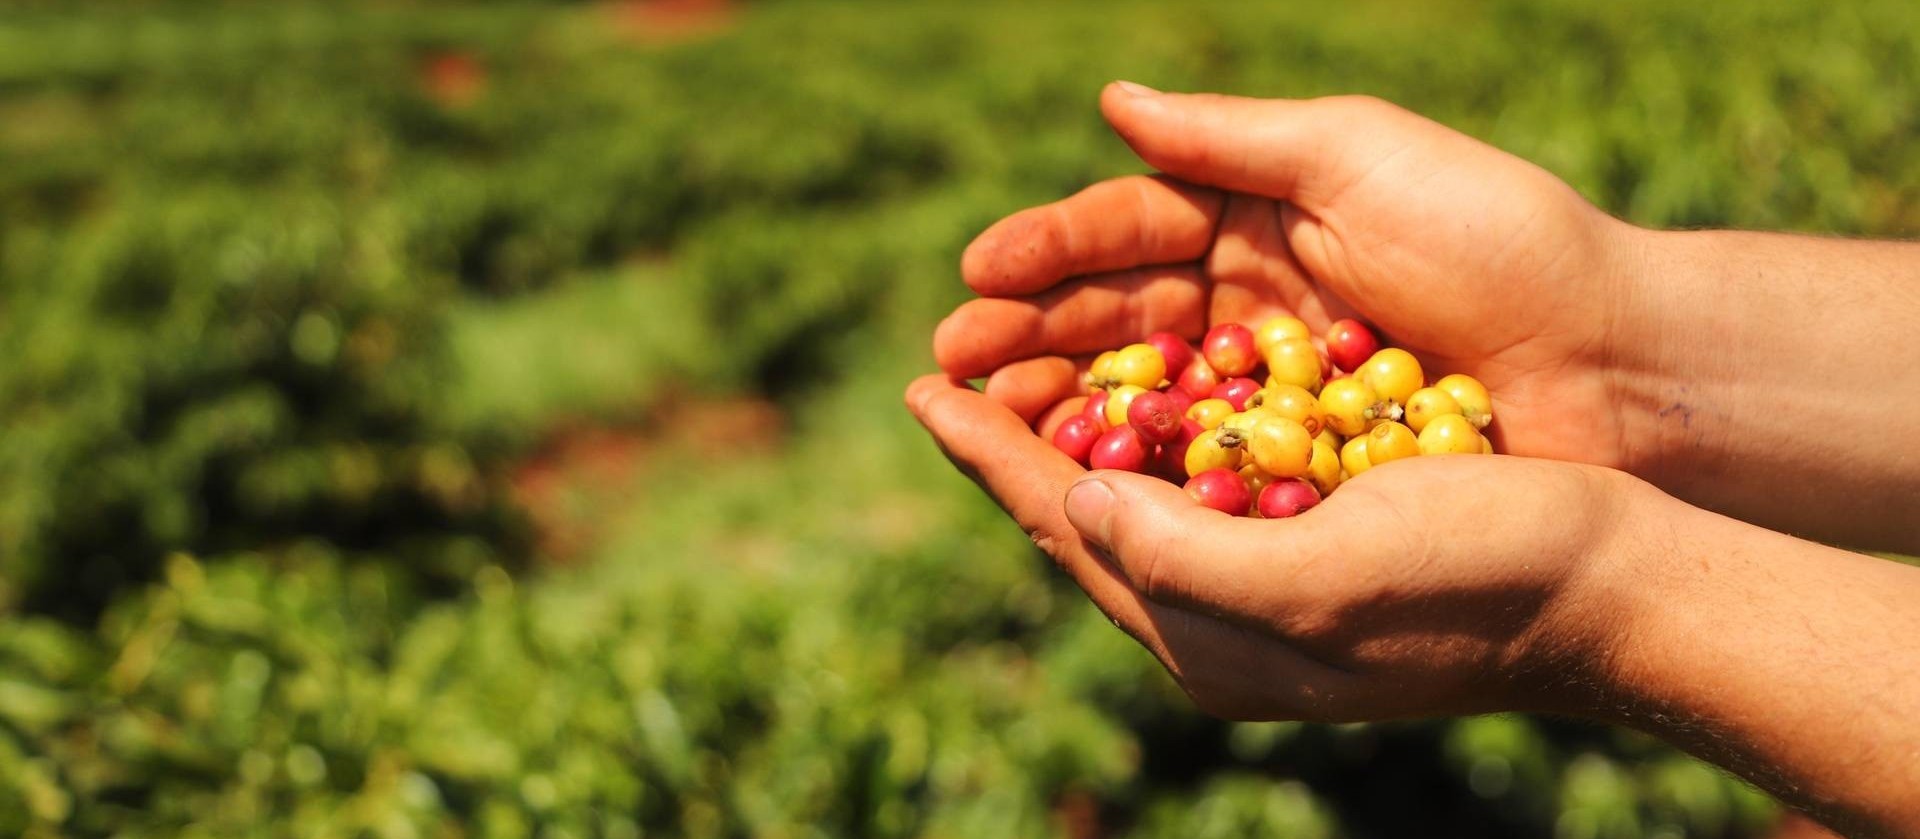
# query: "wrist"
[[1573, 662], [1658, 374], [1778, 659], [1723, 386]]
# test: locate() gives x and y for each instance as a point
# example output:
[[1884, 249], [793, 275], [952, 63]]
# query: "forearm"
[[1775, 378], [1791, 663]]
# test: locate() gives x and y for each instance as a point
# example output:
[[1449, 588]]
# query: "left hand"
[[1431, 585], [1472, 259]]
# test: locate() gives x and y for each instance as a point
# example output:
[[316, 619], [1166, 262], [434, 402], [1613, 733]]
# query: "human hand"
[[1460, 584], [1475, 260], [1430, 585]]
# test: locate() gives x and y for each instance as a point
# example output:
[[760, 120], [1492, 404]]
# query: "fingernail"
[[1090, 508], [1136, 88], [917, 395]]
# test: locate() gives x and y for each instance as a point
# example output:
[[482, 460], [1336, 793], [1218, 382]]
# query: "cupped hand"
[[1475, 260], [1427, 586]]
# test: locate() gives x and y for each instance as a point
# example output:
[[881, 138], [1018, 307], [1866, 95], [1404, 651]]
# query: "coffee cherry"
[[1393, 373], [1198, 379], [1236, 391], [1323, 471], [1119, 448], [1350, 343], [1295, 362], [1174, 350], [1475, 403], [1427, 403], [1243, 421], [1100, 374], [1451, 434], [1390, 441], [1229, 349], [1284, 499], [1350, 406], [1096, 409], [1215, 449], [1139, 365], [1326, 364], [1333, 441], [1274, 330], [1221, 489], [1280, 447], [1153, 416], [1293, 403], [1353, 457], [1076, 437], [1270, 413], [1210, 412], [1118, 400], [1170, 457], [1255, 477], [1181, 399]]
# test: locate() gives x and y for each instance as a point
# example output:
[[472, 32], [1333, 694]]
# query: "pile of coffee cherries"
[[1267, 421]]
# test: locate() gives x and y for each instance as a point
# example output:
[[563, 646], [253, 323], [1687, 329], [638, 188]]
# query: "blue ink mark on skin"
[[1683, 409]]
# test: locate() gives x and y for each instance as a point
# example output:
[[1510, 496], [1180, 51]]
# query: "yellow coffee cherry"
[[1256, 478], [1475, 403], [1118, 400], [1353, 456], [1323, 471], [1140, 365], [1451, 434], [1290, 402], [1215, 449], [1327, 436], [1486, 445], [1210, 412], [1100, 375], [1294, 361], [1427, 403], [1394, 374], [1244, 421], [1280, 447], [1349, 406], [1390, 441], [1274, 330]]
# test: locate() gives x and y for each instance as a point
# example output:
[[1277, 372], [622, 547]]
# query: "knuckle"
[[1048, 542]]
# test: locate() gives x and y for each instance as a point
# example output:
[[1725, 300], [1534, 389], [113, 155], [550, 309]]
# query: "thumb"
[[1168, 546], [1288, 149]]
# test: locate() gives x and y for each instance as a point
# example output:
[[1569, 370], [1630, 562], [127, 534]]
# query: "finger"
[[1095, 313], [1028, 478], [1177, 552], [1255, 273], [1122, 223], [1292, 149], [1228, 670], [1028, 388]]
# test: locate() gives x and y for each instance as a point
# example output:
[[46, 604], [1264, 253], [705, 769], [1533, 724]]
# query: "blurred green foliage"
[[286, 292]]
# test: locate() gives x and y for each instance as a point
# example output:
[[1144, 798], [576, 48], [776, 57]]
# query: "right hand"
[[1393, 598], [1475, 260]]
